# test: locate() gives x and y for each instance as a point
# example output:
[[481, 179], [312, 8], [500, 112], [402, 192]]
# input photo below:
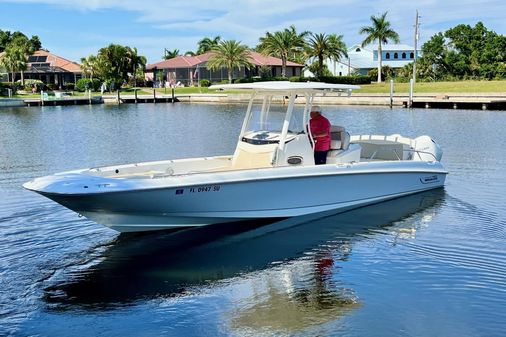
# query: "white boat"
[[271, 174]]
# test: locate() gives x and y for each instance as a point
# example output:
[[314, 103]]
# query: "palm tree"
[[207, 44], [16, 56], [325, 46], [229, 54], [15, 59], [136, 61], [9, 63], [170, 54], [283, 44], [190, 53], [89, 66], [379, 30]]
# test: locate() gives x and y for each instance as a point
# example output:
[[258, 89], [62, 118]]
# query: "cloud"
[[180, 24]]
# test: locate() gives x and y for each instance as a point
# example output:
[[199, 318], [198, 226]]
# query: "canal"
[[431, 264]]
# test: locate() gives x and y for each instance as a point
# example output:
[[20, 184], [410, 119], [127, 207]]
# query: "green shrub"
[[69, 86], [205, 83], [244, 80], [84, 84], [29, 83], [259, 79], [4, 86]]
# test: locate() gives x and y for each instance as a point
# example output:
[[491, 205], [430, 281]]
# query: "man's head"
[[315, 111]]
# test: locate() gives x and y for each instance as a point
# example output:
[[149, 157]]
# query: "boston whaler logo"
[[429, 179]]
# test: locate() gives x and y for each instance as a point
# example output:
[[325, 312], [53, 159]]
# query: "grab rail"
[[418, 152]]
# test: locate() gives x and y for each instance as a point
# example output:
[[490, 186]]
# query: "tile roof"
[[60, 62], [192, 61]]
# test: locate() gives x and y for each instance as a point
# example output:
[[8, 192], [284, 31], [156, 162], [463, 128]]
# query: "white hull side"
[[165, 208]]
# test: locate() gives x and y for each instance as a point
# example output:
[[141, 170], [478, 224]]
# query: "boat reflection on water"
[[289, 264]]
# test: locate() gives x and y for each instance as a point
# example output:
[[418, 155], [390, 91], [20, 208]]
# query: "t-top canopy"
[[287, 86]]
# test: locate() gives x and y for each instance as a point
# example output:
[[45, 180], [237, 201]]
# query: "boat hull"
[[219, 200]]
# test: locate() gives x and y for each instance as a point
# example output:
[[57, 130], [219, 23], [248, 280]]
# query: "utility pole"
[[417, 25]]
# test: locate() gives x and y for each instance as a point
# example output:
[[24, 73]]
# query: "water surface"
[[431, 264]]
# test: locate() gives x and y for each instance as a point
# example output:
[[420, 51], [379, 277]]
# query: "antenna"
[[417, 25]]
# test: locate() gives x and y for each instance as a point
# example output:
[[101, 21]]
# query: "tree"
[[381, 31], [207, 44], [135, 61], [16, 55], [229, 54], [283, 44], [6, 37], [35, 43], [170, 54], [316, 68], [8, 61], [464, 52], [325, 46], [190, 53], [89, 66], [116, 63]]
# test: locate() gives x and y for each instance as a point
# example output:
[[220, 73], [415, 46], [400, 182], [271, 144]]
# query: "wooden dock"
[[457, 102], [64, 101]]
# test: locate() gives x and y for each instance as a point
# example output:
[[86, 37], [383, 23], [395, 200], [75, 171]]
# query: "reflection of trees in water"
[[172, 264]]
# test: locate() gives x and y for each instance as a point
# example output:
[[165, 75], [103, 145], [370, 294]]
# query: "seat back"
[[339, 138]]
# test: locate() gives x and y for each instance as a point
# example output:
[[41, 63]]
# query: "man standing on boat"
[[320, 130]]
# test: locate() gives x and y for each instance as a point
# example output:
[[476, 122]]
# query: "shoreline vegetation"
[[462, 60], [463, 88], [460, 88]]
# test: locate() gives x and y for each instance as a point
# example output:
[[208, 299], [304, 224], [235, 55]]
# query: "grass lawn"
[[375, 88], [438, 87]]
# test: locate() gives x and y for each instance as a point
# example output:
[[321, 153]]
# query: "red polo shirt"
[[319, 125]]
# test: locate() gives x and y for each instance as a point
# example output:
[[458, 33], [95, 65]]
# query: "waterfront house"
[[361, 60], [50, 69], [189, 70]]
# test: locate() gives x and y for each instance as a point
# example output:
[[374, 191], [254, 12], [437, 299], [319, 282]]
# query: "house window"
[[396, 56], [412, 55], [387, 56], [403, 55]]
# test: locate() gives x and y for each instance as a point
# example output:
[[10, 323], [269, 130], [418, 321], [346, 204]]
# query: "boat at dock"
[[271, 173]]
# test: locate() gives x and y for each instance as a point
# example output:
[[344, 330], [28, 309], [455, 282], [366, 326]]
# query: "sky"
[[78, 28]]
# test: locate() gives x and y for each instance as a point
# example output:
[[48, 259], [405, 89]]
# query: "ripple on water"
[[36, 233]]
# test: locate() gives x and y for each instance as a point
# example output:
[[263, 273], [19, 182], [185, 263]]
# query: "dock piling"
[[411, 89], [391, 93]]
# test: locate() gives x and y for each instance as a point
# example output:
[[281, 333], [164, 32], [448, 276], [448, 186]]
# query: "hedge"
[[334, 79], [84, 84]]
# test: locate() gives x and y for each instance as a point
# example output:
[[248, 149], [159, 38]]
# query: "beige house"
[[188, 70]]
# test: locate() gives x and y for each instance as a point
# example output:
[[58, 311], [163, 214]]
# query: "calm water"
[[432, 264]]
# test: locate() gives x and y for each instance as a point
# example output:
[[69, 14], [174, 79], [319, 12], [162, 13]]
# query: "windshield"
[[275, 118]]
